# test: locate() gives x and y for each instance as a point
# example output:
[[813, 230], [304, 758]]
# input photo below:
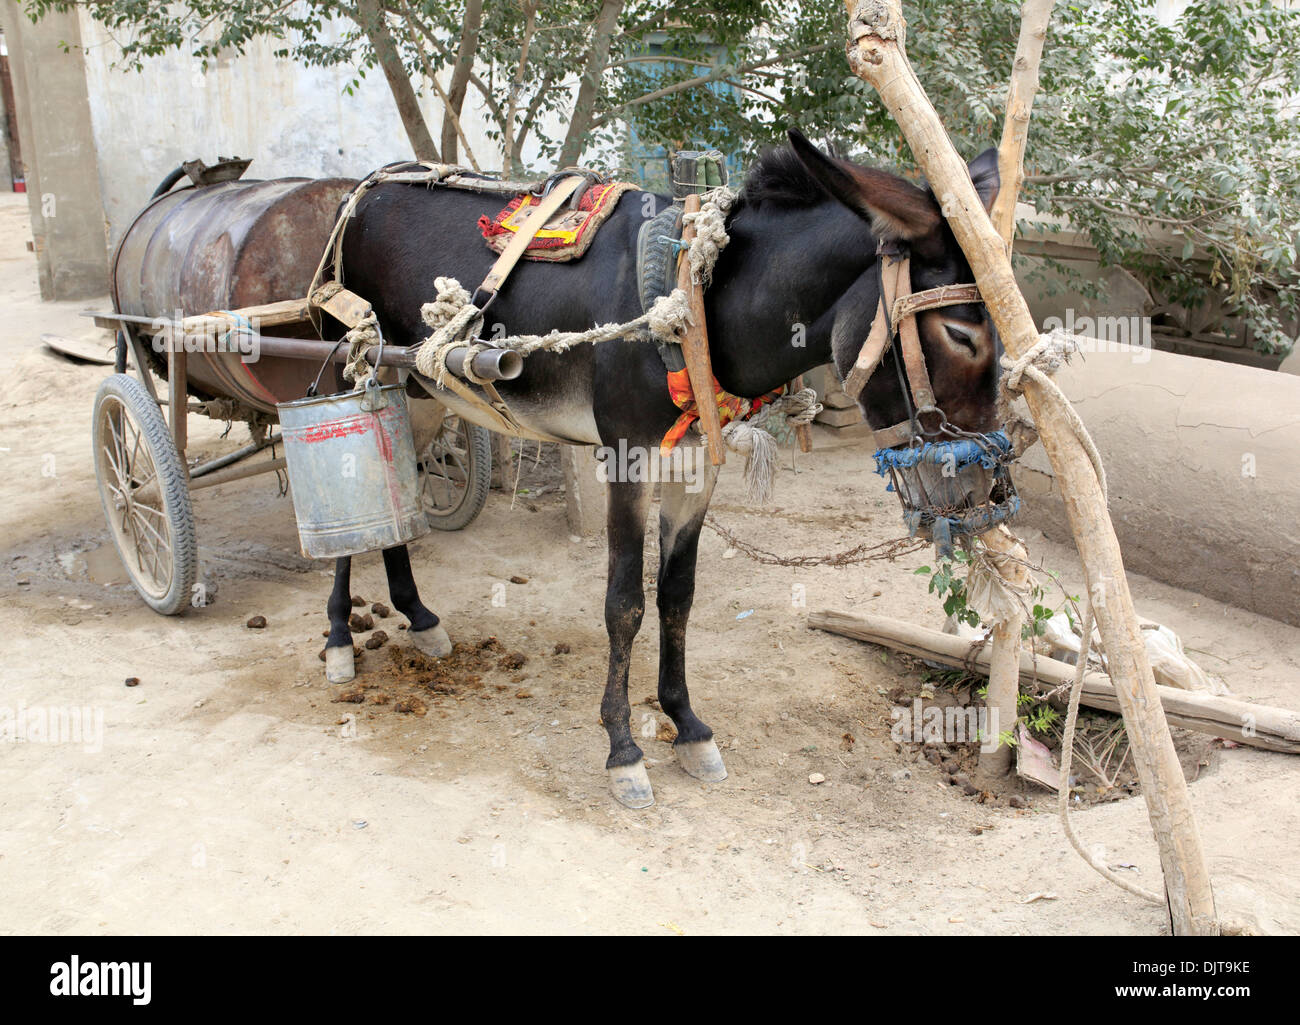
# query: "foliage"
[[1173, 147]]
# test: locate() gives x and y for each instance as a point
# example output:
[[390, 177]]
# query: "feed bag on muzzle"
[[952, 489]]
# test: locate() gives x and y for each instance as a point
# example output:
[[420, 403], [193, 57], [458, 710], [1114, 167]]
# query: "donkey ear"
[[984, 173], [896, 208]]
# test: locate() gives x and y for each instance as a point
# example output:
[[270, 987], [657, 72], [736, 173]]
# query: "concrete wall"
[[1203, 460], [290, 119], [54, 125]]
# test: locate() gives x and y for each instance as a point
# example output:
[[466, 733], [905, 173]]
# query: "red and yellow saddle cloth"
[[567, 235], [730, 407]]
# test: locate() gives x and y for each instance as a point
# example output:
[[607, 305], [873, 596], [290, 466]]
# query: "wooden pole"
[[1004, 672], [1263, 726], [876, 54], [1034, 16], [695, 345]]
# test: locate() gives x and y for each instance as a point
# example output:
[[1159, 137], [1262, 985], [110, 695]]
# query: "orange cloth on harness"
[[730, 407]]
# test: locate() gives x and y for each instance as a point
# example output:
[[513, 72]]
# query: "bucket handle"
[[374, 399]]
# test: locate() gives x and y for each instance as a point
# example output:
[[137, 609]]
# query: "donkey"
[[804, 234]]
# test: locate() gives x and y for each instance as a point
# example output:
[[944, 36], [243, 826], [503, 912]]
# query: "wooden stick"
[[1004, 667], [1004, 676], [695, 346], [877, 31], [1034, 16], [1262, 726]]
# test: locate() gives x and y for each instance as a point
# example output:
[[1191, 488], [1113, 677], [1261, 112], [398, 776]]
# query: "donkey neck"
[[790, 279]]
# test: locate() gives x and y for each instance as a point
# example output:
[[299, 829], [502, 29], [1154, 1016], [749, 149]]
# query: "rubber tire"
[[174, 486], [476, 487]]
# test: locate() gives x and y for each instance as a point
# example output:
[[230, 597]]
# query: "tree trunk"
[[585, 104], [370, 17], [460, 78], [877, 31]]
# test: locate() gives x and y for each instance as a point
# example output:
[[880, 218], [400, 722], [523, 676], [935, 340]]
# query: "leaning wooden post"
[[877, 32], [1004, 675]]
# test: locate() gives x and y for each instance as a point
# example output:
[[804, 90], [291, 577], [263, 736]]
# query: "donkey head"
[[960, 344]]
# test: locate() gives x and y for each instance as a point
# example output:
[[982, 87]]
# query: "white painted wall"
[[290, 119]]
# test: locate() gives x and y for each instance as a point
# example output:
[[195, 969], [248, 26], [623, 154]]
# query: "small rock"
[[376, 640], [1016, 801], [901, 775], [523, 692], [518, 580], [816, 777], [562, 648], [256, 623], [950, 766], [381, 610], [133, 681]]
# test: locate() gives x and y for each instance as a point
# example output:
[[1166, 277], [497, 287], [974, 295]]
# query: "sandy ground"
[[232, 794]]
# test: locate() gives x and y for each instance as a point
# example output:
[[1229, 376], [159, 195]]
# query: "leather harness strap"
[[895, 317], [534, 220]]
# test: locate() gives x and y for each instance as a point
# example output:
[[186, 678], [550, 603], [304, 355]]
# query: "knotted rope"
[[711, 236]]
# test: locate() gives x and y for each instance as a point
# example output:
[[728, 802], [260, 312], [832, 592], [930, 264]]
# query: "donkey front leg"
[[628, 504], [339, 663], [681, 516], [426, 633]]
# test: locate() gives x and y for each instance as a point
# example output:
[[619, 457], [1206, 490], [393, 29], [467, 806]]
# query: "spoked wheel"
[[145, 493], [455, 473]]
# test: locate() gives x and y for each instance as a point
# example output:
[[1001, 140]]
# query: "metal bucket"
[[351, 462]]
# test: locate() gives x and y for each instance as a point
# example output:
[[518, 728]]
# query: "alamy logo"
[[71, 978]]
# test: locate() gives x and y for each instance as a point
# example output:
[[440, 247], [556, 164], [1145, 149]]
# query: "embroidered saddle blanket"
[[567, 235]]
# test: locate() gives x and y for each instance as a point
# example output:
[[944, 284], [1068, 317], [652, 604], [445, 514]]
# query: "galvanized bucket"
[[351, 462]]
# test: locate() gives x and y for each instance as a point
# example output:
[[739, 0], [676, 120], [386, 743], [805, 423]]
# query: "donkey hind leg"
[[426, 632], [339, 663], [681, 516], [628, 504]]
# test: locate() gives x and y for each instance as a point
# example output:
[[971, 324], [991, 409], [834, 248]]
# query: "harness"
[[894, 330]]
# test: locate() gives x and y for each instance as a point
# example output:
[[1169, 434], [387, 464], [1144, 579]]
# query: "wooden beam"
[[1243, 722], [695, 345]]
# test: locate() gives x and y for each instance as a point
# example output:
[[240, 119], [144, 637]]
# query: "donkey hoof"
[[700, 758], [434, 641], [631, 785], [339, 664]]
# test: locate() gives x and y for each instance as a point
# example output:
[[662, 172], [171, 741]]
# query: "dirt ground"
[[233, 793]]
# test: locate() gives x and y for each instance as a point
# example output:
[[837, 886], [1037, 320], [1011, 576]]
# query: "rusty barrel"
[[226, 246]]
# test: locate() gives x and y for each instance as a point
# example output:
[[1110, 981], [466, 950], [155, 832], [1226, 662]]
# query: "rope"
[[710, 232], [1045, 357], [1067, 759]]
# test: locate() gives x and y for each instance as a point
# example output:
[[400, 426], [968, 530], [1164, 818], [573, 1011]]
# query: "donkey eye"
[[963, 336]]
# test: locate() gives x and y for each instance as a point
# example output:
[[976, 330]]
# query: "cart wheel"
[[455, 473], [144, 489]]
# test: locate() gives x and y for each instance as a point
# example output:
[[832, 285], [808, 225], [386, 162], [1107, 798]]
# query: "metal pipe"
[[493, 364], [203, 469]]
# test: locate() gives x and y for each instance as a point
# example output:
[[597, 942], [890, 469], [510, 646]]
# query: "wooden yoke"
[[695, 345]]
